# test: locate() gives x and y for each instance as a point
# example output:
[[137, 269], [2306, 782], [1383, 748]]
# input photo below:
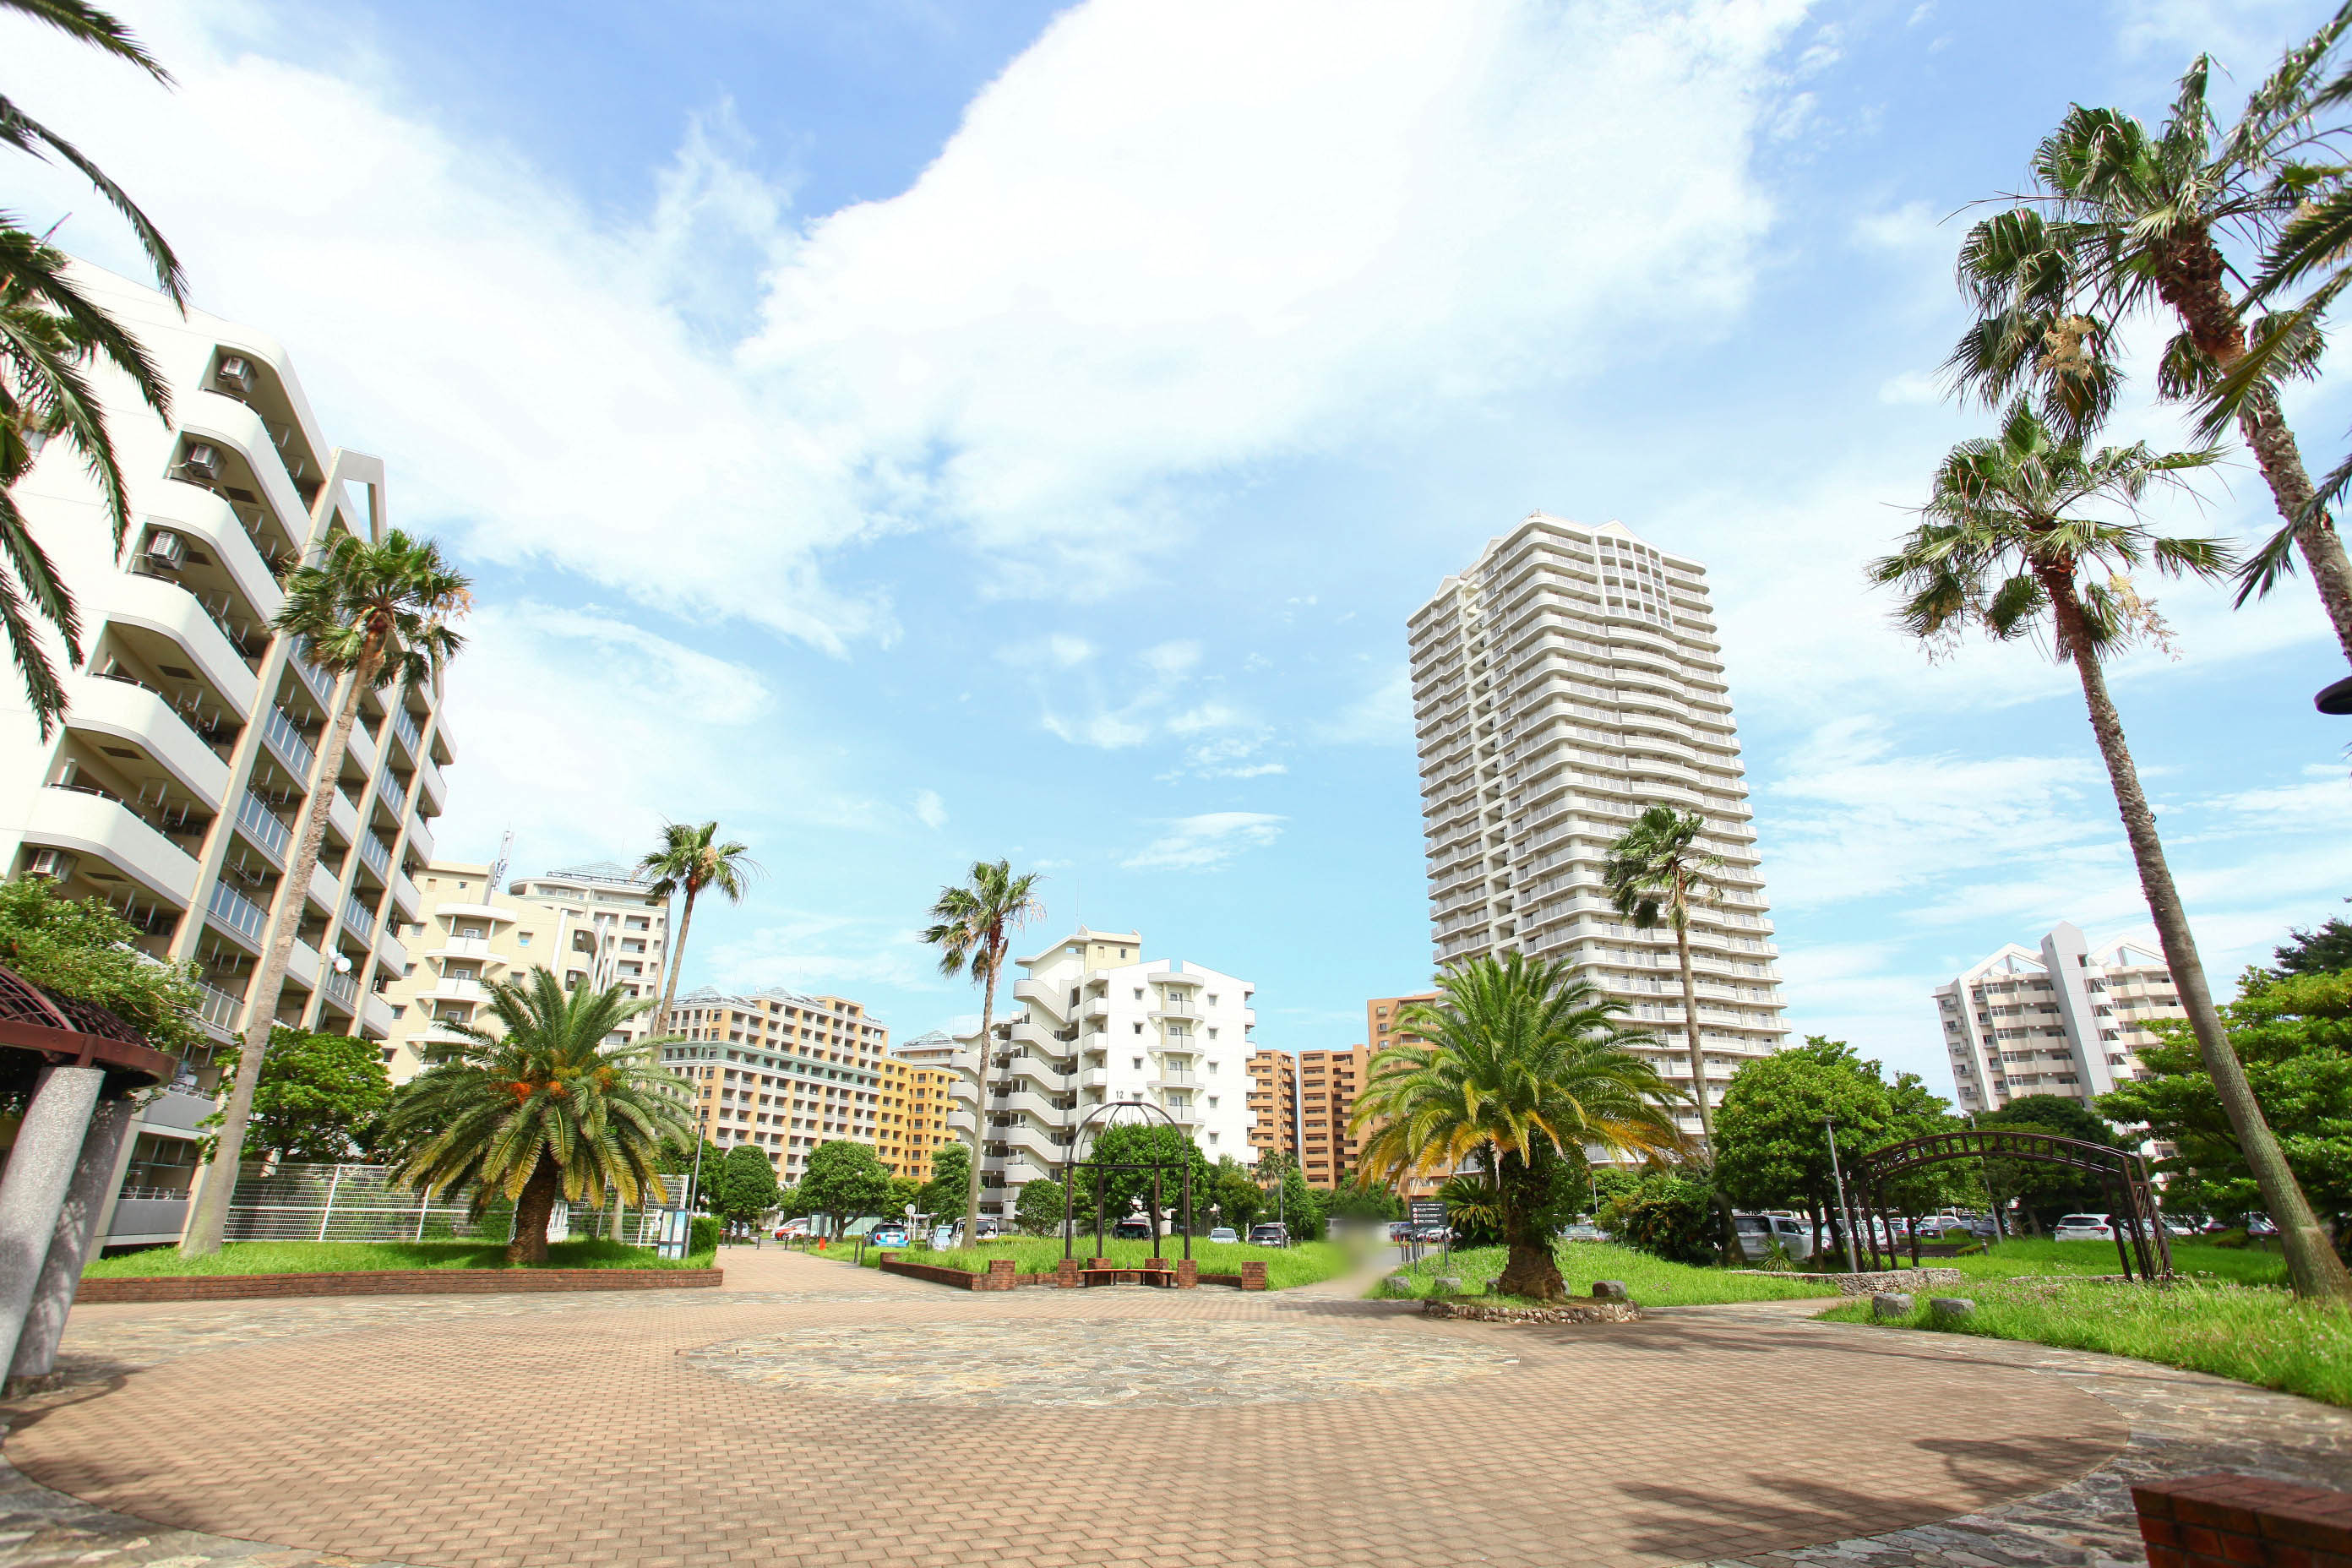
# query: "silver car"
[[1758, 1232]]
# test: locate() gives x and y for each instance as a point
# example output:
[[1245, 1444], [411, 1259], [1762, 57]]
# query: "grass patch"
[[1650, 1282], [2255, 1334], [343, 1256], [2021, 1256], [1309, 1263]]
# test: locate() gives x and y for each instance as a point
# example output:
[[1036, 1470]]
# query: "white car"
[[1758, 1232], [2084, 1227], [1224, 1233]]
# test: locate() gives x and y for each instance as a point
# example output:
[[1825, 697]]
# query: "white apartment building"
[[781, 1071], [1093, 1022], [176, 784], [2070, 1019], [1564, 682], [590, 924]]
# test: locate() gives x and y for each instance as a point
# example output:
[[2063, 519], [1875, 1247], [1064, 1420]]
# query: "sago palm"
[[972, 928], [2140, 220], [693, 859], [541, 1107], [1525, 1064], [2026, 535], [375, 614]]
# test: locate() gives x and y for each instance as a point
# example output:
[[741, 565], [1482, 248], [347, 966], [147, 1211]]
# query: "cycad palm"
[[972, 928], [2140, 220], [1525, 1064], [693, 859], [2006, 543], [541, 1107], [373, 615]]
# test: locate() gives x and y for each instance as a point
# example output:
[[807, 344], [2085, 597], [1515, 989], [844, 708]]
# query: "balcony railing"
[[377, 857], [286, 740], [404, 724], [216, 1006], [321, 684], [344, 989], [236, 912], [261, 824], [358, 917]]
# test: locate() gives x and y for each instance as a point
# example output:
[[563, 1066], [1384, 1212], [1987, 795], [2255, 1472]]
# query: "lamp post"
[[1845, 1219]]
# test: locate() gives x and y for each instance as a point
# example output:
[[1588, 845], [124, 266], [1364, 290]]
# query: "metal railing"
[[321, 684], [359, 1203], [377, 857], [262, 825], [358, 917], [286, 740], [404, 724], [344, 988], [236, 912], [216, 1006]]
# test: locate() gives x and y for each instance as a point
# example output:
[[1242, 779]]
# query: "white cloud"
[[1206, 842], [1381, 716], [929, 809], [1912, 386], [811, 951], [1914, 225], [2322, 802]]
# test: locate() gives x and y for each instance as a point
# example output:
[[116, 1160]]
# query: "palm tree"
[[541, 1107], [372, 614], [972, 926], [2141, 218], [691, 861], [1524, 1063], [2004, 544]]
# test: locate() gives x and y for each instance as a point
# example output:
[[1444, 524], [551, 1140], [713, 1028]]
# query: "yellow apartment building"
[[912, 1122], [781, 1071]]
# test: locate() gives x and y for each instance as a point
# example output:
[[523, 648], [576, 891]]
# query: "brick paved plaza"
[[811, 1413]]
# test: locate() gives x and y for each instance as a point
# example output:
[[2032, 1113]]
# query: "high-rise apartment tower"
[[2069, 1019], [1564, 681]]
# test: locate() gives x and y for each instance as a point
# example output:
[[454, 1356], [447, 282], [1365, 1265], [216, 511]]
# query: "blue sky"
[[914, 432]]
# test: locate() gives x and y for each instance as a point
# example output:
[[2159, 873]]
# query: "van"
[[1759, 1232]]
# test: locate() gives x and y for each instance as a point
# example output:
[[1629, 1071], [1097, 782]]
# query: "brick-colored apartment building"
[[1381, 1026], [1302, 1099]]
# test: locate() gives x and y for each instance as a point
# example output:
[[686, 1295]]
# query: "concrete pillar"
[[87, 1200], [40, 1168]]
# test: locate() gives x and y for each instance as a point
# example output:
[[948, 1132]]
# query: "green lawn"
[[1307, 1263], [2028, 1256], [335, 1256], [1650, 1282], [2253, 1333]]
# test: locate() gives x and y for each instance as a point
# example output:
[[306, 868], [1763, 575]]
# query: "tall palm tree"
[[2007, 543], [373, 615], [2140, 222], [541, 1107], [1524, 1063], [973, 927], [693, 860]]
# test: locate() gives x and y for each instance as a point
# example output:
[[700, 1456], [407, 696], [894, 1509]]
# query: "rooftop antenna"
[[498, 866]]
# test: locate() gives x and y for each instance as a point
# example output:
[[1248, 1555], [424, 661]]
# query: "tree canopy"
[[320, 1101], [86, 951], [845, 1180], [2322, 952], [1772, 1150], [1137, 1142], [1039, 1211], [743, 1187], [950, 1176]]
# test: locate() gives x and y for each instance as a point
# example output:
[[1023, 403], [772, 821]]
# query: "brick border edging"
[[1003, 1275], [2224, 1520], [389, 1282]]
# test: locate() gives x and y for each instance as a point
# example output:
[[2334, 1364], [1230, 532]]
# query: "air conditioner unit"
[[166, 550], [54, 863], [236, 375], [201, 462]]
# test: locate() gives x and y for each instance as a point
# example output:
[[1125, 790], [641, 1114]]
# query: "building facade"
[[2068, 1019], [1384, 1027], [910, 1122], [1565, 680], [1304, 1099], [781, 1071], [592, 926], [175, 786], [1094, 1023]]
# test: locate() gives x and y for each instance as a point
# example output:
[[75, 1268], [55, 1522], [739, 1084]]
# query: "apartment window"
[[522, 939]]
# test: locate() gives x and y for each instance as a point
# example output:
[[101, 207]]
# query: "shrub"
[[1667, 1216], [705, 1238]]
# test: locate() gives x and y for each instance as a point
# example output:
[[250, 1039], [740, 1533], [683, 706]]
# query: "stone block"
[[1951, 1306], [1889, 1304], [1447, 1285], [1397, 1285], [1609, 1290]]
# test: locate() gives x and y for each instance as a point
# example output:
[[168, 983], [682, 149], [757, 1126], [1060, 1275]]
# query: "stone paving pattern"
[[521, 1431]]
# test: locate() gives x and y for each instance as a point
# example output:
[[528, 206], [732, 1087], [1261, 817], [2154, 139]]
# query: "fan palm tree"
[[541, 1107], [1524, 1063], [2006, 543], [372, 614], [2140, 220], [693, 860], [973, 927]]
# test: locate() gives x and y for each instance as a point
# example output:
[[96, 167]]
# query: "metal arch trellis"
[[2139, 1235], [1108, 1112]]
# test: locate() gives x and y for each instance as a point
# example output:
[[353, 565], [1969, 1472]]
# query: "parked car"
[[1134, 1228], [1400, 1232], [2179, 1225], [1758, 1232], [1224, 1233], [795, 1227], [890, 1232], [2084, 1227], [2260, 1225], [1269, 1236], [1582, 1232], [1433, 1235]]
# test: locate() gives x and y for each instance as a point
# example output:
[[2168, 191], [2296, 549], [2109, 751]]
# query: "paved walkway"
[[786, 1419]]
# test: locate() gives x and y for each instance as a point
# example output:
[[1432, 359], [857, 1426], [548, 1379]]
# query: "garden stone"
[[1889, 1304], [1950, 1306], [1397, 1285], [1609, 1290], [1446, 1284]]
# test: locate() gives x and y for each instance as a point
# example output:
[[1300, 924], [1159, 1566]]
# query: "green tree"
[[906, 1193], [84, 950], [1039, 1211], [674, 1157], [372, 614], [1364, 1199], [743, 1187], [2325, 951], [950, 1176], [1667, 1215], [2045, 1192], [2294, 1035], [1521, 1063], [320, 1101], [1238, 1200], [846, 1181], [973, 927], [1138, 1144], [540, 1108], [2007, 543], [692, 859]]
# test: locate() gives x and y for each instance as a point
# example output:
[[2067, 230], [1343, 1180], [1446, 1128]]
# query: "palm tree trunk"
[[678, 961], [1531, 1270], [1734, 1255], [2316, 1270], [979, 1106], [209, 1221], [533, 1209]]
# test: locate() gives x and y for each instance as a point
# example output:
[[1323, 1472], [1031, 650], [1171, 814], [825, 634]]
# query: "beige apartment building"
[[1383, 1026], [1302, 1100], [594, 925], [2069, 1019], [781, 1071], [910, 1124]]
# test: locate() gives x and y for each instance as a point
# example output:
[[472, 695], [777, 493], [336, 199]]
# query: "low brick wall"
[[390, 1282], [1868, 1284], [1002, 1274], [2225, 1520]]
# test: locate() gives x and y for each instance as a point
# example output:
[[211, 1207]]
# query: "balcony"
[[376, 855], [375, 1017], [403, 729], [99, 827], [286, 743], [217, 1010], [261, 826], [342, 989], [233, 912], [129, 712], [161, 607], [456, 988], [177, 1110], [359, 919], [420, 837], [321, 684]]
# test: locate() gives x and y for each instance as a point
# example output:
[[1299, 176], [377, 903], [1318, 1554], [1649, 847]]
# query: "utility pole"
[[1845, 1219], [1993, 1199]]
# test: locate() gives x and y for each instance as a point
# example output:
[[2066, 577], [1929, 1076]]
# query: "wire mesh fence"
[[360, 1203]]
